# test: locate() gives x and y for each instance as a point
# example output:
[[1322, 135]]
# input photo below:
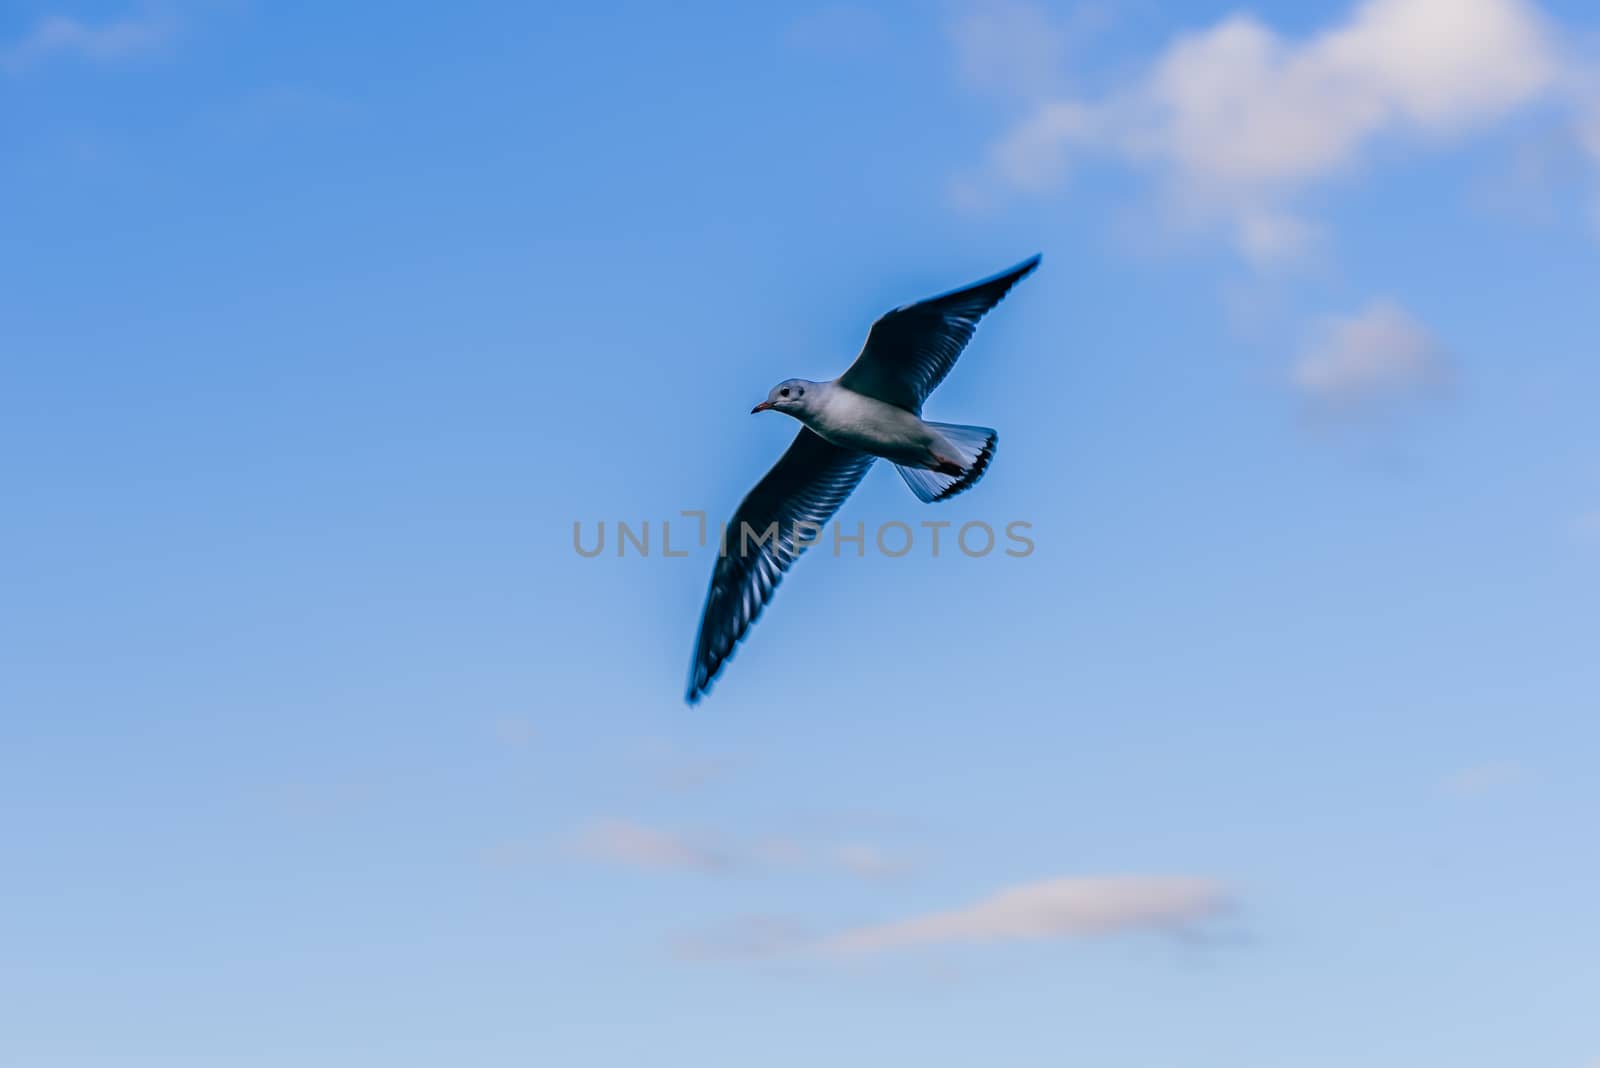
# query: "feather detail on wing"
[[785, 511], [911, 349]]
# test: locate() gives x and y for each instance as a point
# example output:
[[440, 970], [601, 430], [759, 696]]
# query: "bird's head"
[[791, 396]]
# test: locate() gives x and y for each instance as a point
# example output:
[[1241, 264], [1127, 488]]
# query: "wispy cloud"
[[62, 36], [1379, 352], [1076, 907], [1236, 121], [1056, 908]]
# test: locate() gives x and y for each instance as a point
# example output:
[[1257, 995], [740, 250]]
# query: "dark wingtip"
[[1009, 277], [973, 473], [1015, 273], [700, 681], [1025, 268]]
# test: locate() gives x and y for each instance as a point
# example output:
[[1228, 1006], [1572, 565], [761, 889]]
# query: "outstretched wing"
[[806, 486], [911, 349]]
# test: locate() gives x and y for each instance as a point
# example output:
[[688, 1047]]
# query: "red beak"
[[764, 406]]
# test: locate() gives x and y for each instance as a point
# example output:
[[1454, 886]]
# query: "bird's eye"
[[783, 393]]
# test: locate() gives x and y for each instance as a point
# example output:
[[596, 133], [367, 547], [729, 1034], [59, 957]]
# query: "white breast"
[[857, 421]]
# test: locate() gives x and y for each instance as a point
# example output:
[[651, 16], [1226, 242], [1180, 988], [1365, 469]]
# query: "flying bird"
[[874, 409]]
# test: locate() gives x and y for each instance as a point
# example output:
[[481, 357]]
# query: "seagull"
[[874, 409]]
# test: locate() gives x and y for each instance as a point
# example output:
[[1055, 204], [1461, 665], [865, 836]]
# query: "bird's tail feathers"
[[974, 448]]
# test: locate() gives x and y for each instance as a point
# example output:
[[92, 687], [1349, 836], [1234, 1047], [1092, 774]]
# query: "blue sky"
[[320, 329]]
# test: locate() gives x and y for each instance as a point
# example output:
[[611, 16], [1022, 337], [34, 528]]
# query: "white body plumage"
[[856, 421]]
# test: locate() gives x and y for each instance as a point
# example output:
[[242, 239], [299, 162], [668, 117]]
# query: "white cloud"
[[60, 35], [1237, 120], [1378, 352], [1268, 236], [1056, 908], [1033, 156], [1078, 907]]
